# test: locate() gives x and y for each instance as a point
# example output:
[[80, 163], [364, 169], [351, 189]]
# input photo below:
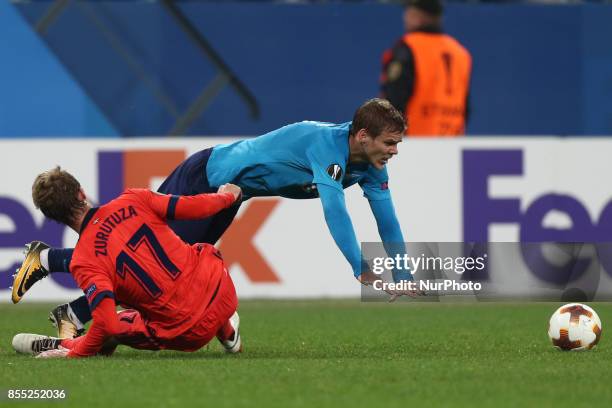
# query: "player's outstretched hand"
[[410, 293], [231, 188], [60, 352], [368, 278]]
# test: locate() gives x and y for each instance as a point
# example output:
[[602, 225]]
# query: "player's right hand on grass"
[[232, 189], [368, 278], [410, 293]]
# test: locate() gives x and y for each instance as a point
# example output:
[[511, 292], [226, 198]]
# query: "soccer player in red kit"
[[178, 296]]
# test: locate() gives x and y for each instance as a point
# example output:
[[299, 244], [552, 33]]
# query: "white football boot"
[[233, 344], [28, 343]]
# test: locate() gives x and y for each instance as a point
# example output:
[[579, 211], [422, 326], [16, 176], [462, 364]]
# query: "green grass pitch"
[[334, 354]]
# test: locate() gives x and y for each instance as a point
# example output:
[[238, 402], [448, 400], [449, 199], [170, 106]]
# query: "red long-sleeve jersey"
[[127, 253]]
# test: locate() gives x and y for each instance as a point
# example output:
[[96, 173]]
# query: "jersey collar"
[[88, 218], [343, 142]]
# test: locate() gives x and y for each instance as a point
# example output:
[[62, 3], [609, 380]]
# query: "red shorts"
[[135, 333]]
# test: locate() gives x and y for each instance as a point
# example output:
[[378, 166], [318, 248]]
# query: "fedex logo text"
[[480, 211]]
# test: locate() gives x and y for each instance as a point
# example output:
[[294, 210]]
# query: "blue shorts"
[[189, 178]]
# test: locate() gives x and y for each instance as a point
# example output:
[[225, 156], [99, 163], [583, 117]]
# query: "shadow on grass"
[[219, 355]]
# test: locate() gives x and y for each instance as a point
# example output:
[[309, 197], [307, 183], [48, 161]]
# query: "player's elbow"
[[108, 327], [112, 328], [337, 220]]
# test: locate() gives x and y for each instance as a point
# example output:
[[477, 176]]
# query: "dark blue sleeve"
[[390, 233], [340, 225]]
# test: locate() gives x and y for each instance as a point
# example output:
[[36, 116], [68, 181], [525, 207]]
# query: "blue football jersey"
[[291, 161]]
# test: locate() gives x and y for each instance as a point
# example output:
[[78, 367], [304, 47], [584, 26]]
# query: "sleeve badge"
[[335, 172]]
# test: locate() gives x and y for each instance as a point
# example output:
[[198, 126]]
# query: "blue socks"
[[59, 259], [80, 308]]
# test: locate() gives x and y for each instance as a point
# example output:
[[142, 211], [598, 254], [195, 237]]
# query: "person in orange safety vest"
[[426, 75]]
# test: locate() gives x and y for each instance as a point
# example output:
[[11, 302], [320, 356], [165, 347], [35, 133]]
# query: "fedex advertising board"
[[476, 190]]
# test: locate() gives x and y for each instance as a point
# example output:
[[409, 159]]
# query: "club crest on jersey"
[[335, 172], [384, 186]]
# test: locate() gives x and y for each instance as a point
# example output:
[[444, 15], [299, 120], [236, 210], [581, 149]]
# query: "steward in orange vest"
[[426, 75]]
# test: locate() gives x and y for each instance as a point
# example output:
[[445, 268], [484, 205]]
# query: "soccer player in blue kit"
[[301, 160]]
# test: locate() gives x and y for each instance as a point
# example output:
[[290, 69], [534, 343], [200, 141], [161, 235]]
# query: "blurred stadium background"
[[239, 68], [118, 92]]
